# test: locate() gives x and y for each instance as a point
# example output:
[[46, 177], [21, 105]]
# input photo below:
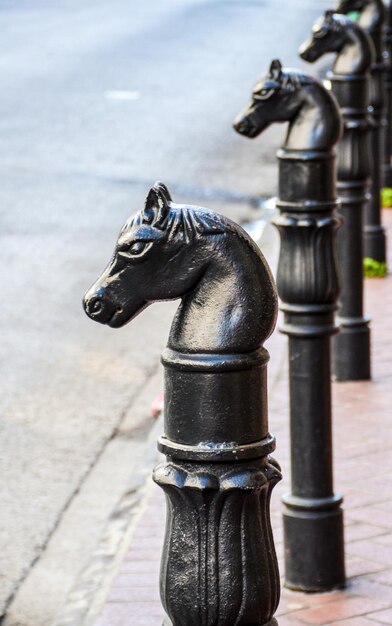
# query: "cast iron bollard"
[[372, 15], [308, 287], [219, 566], [350, 84], [388, 95]]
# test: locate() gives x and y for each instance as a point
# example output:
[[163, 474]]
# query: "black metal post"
[[387, 41], [219, 566], [350, 85], [372, 15], [308, 288]]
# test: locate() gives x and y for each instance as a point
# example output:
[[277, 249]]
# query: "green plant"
[[386, 197], [373, 268]]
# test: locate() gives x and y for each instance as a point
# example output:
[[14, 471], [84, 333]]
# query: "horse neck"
[[371, 20], [316, 126], [219, 315], [355, 57], [371, 16]]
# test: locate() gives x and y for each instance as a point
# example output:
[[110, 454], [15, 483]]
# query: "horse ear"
[[328, 16], [163, 191], [157, 204], [275, 69]]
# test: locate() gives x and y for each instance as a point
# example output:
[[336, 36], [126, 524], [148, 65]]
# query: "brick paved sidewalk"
[[363, 474]]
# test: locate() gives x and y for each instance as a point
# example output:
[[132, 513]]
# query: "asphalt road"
[[98, 100]]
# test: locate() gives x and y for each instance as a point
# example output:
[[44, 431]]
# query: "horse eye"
[[320, 33], [137, 248], [264, 94]]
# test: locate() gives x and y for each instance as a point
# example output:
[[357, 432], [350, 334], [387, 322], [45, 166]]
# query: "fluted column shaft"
[[351, 347], [308, 288]]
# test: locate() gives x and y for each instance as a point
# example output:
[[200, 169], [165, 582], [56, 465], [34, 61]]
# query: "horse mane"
[[340, 20], [288, 77], [294, 78], [341, 23], [191, 222], [183, 220]]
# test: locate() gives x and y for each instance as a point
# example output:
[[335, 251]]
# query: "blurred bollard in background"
[[308, 287], [387, 55], [371, 18], [349, 80]]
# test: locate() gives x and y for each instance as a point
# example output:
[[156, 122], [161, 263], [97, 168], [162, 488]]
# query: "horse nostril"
[[242, 126], [94, 306], [119, 309], [99, 307]]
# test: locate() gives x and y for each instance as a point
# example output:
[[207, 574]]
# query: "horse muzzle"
[[308, 52], [245, 127], [99, 308]]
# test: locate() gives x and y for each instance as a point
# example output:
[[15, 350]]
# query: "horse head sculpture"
[[169, 251], [337, 33], [216, 434], [289, 95]]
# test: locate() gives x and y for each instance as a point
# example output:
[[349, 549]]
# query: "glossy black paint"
[[308, 287], [371, 19], [349, 79], [387, 48], [218, 566]]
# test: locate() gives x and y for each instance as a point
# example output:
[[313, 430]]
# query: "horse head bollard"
[[371, 19], [308, 287], [218, 566], [337, 33], [349, 80]]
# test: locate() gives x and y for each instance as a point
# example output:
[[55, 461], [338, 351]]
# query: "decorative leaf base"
[[219, 565]]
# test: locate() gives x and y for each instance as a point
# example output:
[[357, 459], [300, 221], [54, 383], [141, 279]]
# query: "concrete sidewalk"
[[363, 474]]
